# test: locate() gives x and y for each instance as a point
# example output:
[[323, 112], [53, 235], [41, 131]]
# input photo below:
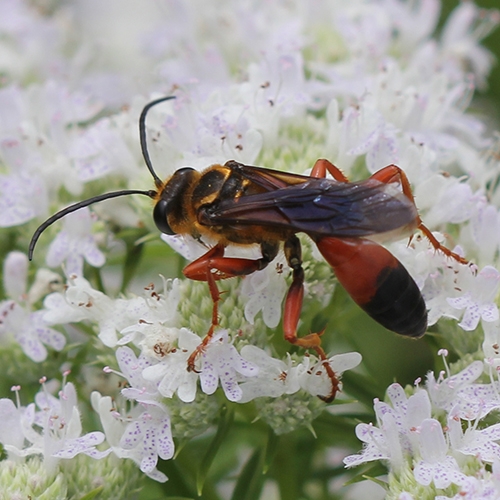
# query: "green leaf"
[[271, 449], [225, 423], [251, 478], [132, 261], [376, 470], [375, 480], [93, 493]]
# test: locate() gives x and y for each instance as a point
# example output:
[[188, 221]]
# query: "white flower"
[[315, 379], [101, 150], [265, 291], [217, 361], [398, 425], [437, 276], [54, 431], [132, 368], [80, 301], [186, 246], [171, 374], [491, 344], [464, 29], [436, 465], [34, 138], [380, 443], [15, 275], [74, 244], [220, 360], [478, 443], [115, 428], [482, 232], [148, 437], [478, 301], [445, 199], [483, 487], [11, 431], [444, 392], [408, 413], [274, 378], [60, 420], [23, 196], [28, 328], [475, 401]]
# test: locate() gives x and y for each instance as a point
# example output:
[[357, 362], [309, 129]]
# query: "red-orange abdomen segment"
[[378, 283]]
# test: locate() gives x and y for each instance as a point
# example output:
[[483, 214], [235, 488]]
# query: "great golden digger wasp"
[[245, 205]]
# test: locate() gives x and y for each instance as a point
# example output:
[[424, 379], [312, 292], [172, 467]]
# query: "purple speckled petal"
[[208, 377], [149, 461], [97, 454], [51, 337], [227, 375], [131, 436], [80, 445], [241, 365], [397, 396], [489, 312], [459, 302], [150, 455], [32, 347], [471, 318], [166, 446], [423, 473]]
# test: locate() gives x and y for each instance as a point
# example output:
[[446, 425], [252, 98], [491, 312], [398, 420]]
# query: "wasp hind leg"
[[213, 266], [393, 173], [292, 310]]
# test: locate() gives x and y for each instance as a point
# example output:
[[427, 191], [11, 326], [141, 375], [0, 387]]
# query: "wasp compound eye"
[[171, 202], [160, 213]]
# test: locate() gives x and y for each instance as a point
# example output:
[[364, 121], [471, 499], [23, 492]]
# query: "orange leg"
[[393, 173], [322, 166], [292, 310], [213, 266]]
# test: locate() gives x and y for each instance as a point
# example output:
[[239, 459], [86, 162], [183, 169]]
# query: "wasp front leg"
[[293, 308], [213, 266]]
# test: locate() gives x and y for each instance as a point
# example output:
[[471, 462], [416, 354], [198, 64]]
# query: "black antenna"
[[114, 194], [73, 208], [142, 136]]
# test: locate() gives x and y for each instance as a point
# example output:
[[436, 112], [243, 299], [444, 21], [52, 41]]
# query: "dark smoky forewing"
[[322, 207]]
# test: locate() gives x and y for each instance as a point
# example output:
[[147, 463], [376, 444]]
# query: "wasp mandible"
[[246, 205]]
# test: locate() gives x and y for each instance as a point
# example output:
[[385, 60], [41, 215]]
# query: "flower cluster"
[[437, 440], [280, 84]]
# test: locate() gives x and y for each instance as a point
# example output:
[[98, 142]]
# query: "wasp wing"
[[320, 207]]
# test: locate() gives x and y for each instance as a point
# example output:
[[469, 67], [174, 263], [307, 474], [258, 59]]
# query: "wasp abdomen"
[[378, 283], [398, 304]]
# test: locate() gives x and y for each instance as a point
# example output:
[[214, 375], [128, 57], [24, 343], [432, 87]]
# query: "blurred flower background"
[[96, 331]]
